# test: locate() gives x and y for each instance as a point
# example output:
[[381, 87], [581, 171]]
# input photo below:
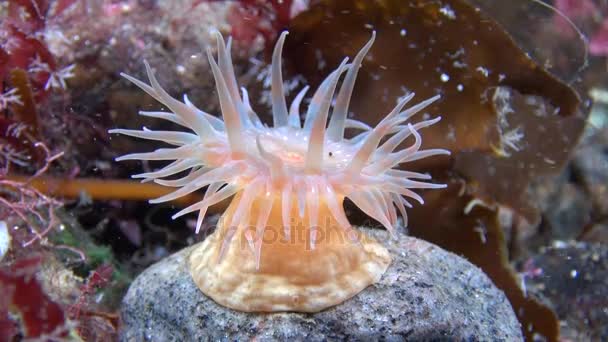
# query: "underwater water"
[[515, 246]]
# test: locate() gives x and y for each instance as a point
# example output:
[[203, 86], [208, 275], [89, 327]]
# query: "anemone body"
[[296, 172], [289, 275]]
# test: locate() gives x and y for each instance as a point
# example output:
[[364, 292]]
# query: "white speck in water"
[[457, 53], [448, 12], [483, 71], [459, 64], [5, 239], [369, 26], [445, 77], [460, 87], [482, 234], [180, 69], [403, 32], [385, 95], [99, 297], [320, 60], [451, 136], [573, 274]]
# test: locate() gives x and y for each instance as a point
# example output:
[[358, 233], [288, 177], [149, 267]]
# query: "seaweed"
[[103, 189], [27, 72], [28, 311], [453, 221], [506, 120], [25, 112], [39, 316], [250, 18]]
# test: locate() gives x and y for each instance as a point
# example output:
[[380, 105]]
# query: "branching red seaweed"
[[98, 278], [251, 19], [22, 295], [28, 73], [33, 207]]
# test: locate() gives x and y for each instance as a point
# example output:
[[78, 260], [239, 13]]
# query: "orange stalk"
[[104, 189]]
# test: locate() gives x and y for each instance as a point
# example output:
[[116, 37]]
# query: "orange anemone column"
[[291, 276]]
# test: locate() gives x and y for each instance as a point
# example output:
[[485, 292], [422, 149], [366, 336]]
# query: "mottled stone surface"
[[427, 293], [590, 165], [565, 205], [572, 278]]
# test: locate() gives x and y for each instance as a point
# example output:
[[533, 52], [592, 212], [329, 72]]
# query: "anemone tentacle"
[[302, 164]]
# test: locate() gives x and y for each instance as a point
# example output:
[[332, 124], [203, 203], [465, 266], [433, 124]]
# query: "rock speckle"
[[426, 294], [572, 278]]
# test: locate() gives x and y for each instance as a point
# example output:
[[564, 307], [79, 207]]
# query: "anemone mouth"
[[290, 145], [287, 143], [300, 161]]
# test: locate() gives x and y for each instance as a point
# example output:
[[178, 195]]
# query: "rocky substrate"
[[426, 294], [572, 279]]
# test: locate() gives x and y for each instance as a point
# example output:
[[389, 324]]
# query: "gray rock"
[[590, 164], [572, 279], [565, 205], [426, 294]]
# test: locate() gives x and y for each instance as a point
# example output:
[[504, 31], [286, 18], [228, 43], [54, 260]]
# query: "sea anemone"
[[295, 248]]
